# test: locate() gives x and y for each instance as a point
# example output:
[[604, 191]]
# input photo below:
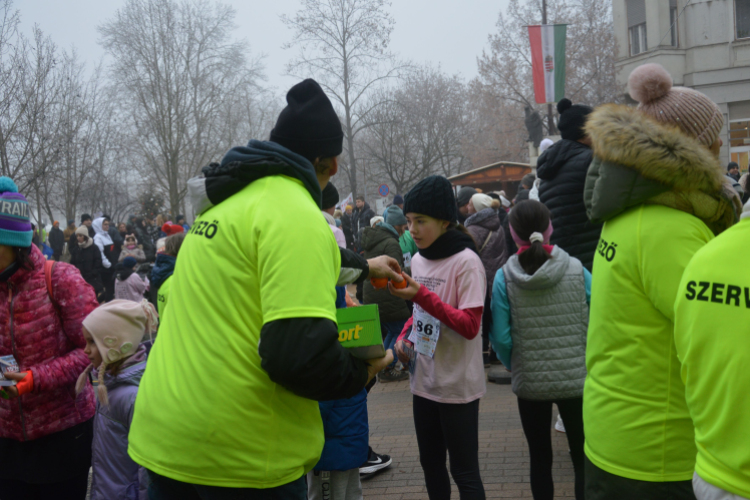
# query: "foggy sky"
[[450, 33]]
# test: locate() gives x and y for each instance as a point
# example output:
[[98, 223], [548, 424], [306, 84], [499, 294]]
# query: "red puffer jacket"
[[48, 344]]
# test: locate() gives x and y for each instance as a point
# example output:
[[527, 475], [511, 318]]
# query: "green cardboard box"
[[359, 331]]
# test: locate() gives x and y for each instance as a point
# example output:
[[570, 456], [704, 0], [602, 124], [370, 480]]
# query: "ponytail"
[[533, 258], [526, 218]]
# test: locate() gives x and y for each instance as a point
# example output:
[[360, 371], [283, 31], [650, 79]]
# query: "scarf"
[[329, 219], [87, 242], [450, 243]]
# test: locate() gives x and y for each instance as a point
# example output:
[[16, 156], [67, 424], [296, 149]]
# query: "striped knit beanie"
[[15, 223], [694, 113]]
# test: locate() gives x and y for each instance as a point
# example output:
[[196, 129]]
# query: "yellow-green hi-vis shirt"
[[634, 411], [206, 412], [162, 297], [712, 334]]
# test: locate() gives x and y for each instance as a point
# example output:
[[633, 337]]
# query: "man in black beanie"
[[253, 296], [562, 169], [462, 201]]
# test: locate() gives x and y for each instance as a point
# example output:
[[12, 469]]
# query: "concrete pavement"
[[503, 453]]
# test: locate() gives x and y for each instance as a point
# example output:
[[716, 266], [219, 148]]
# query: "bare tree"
[[418, 129], [343, 44], [505, 84], [27, 89], [176, 70]]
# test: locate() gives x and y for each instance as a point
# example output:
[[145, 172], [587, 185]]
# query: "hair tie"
[[536, 237]]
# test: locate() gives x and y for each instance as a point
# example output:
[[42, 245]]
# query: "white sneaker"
[[559, 426]]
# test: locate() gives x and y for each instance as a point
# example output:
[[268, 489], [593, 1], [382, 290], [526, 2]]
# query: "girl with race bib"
[[540, 317], [441, 342]]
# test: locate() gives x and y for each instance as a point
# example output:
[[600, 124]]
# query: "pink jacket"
[[48, 344]]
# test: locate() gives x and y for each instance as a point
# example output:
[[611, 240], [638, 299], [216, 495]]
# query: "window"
[[742, 18], [673, 22], [637, 26], [739, 143], [638, 39]]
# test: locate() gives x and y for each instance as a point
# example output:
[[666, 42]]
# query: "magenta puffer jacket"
[[50, 345]]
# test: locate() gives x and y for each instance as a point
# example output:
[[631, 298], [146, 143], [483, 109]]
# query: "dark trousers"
[[536, 419], [73, 488], [453, 428], [163, 488], [601, 485]]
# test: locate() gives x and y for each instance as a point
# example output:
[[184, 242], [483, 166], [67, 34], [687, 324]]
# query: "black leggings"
[[71, 489], [453, 428], [536, 419]]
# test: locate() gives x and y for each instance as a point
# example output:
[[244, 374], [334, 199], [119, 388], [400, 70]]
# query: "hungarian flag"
[[548, 61]]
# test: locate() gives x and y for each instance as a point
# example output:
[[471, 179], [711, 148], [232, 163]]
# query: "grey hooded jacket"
[[549, 321], [115, 475]]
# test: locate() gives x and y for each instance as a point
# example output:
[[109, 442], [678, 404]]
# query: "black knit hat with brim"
[[572, 119], [330, 196], [308, 125], [432, 196]]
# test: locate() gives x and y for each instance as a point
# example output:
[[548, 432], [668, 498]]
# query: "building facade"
[[705, 45]]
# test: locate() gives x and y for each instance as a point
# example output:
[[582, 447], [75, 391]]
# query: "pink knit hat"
[[117, 328], [694, 113]]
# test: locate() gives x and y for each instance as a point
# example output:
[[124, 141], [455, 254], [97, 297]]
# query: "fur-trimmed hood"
[[637, 161]]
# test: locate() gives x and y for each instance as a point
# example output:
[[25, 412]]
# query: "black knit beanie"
[[432, 196], [330, 196], [308, 125], [572, 119], [464, 195]]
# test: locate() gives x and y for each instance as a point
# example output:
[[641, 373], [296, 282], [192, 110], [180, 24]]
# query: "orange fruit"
[[399, 285], [378, 283]]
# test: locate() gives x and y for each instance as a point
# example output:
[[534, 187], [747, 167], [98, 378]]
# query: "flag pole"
[[550, 120]]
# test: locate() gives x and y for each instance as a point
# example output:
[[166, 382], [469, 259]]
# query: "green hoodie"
[[635, 414], [408, 247]]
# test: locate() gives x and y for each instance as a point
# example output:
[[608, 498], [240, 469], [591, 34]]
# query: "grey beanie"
[[394, 216]]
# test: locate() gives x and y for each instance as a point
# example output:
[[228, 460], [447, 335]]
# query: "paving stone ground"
[[503, 453]]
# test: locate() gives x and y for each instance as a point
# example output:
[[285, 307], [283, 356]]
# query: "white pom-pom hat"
[[693, 112]]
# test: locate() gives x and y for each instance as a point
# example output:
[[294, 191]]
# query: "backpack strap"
[[485, 242], [49, 266]]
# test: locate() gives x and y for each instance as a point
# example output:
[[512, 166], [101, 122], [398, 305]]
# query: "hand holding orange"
[[400, 285]]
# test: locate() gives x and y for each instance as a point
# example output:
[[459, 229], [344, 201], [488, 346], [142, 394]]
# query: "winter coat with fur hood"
[[562, 169], [492, 251], [662, 196], [45, 337]]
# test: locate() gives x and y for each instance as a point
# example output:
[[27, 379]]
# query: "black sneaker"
[[392, 375], [375, 463]]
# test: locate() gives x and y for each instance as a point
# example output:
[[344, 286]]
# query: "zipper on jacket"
[[15, 355]]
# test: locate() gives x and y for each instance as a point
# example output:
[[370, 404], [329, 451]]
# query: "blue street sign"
[[383, 189]]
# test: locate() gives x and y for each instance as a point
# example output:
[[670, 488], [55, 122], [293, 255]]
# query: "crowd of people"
[[602, 286]]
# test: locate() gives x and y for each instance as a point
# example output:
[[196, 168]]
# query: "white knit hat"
[[481, 201], [375, 220], [117, 328]]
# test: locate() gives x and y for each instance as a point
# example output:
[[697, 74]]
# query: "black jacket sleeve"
[[353, 265], [304, 355]]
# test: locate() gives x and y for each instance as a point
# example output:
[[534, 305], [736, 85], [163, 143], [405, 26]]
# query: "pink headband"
[[521, 243]]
